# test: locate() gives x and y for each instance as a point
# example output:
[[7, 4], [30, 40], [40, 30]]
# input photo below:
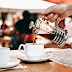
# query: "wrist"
[[69, 8]]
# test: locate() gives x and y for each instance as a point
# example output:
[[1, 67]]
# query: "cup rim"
[[34, 44], [4, 48]]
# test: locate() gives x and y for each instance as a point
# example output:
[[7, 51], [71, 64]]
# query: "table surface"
[[42, 67]]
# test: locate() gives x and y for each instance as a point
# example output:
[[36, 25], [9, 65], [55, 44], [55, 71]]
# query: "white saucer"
[[45, 57], [3, 69], [12, 62]]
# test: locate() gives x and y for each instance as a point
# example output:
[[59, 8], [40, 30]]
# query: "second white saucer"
[[12, 62]]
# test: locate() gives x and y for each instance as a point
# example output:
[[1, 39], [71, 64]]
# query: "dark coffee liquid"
[[34, 38], [48, 36]]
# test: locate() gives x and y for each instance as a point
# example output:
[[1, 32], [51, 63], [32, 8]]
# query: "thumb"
[[48, 10], [58, 20]]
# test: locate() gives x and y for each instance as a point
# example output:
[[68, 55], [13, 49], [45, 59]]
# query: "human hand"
[[56, 13]]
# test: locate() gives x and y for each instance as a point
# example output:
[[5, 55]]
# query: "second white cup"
[[4, 55]]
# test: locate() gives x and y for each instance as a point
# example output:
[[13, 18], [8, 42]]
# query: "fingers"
[[49, 17], [48, 10], [45, 18], [58, 20], [54, 18]]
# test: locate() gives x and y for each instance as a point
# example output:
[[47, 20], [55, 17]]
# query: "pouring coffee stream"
[[43, 28]]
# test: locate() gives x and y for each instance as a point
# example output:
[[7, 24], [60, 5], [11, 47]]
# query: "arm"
[[58, 12], [69, 8]]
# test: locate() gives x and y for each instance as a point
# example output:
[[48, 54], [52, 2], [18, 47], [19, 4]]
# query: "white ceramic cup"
[[32, 51], [4, 55]]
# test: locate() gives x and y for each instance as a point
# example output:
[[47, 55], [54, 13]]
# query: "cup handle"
[[23, 48]]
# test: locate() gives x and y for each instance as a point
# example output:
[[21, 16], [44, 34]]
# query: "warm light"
[[9, 23], [15, 16], [21, 17], [1, 22], [7, 38], [11, 28]]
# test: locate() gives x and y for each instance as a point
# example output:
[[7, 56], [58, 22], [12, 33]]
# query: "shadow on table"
[[35, 62]]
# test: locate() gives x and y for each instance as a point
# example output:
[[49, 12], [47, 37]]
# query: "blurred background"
[[15, 16]]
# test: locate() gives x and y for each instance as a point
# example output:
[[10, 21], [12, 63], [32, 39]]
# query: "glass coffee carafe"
[[55, 34]]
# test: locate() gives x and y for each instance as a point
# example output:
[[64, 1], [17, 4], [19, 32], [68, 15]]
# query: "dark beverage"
[[34, 38], [48, 36]]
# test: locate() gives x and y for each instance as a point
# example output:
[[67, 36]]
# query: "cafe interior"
[[11, 13], [14, 28]]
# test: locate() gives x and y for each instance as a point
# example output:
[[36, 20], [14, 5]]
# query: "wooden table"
[[42, 67]]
